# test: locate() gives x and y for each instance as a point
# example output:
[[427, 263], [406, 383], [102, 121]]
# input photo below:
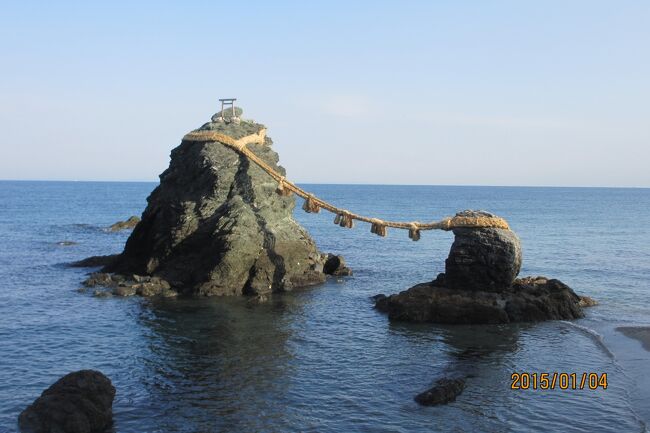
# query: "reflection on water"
[[216, 363]]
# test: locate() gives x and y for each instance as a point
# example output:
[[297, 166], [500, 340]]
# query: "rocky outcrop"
[[480, 286], [122, 285], [526, 300], [216, 226], [79, 402], [335, 265], [124, 225], [486, 259], [444, 391]]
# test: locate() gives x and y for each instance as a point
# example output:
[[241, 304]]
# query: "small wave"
[[595, 336], [600, 342]]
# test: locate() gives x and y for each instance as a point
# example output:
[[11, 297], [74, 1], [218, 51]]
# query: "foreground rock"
[[216, 226], [479, 286], [124, 225], [443, 392], [79, 402]]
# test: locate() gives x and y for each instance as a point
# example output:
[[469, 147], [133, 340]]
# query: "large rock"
[[79, 402], [486, 259], [216, 226]]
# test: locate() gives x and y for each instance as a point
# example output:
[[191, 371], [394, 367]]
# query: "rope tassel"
[[310, 205], [282, 189], [378, 227], [344, 220], [414, 232]]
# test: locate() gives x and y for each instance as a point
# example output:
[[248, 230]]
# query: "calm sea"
[[322, 359]]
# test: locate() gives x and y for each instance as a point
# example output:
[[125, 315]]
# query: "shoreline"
[[639, 333]]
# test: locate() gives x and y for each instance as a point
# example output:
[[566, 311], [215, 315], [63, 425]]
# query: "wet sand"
[[640, 333]]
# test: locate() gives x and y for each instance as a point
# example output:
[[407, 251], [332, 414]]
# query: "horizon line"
[[352, 183]]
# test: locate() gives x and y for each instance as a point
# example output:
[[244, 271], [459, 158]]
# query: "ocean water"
[[322, 359]]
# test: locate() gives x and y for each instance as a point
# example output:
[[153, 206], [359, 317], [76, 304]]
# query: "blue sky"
[[446, 92]]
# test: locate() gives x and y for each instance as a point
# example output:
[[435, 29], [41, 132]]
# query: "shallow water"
[[322, 359]]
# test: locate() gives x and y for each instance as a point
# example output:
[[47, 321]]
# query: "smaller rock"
[[79, 402], [147, 289], [123, 225], [381, 302], [586, 301], [335, 265], [258, 299], [102, 294], [444, 391], [99, 279], [168, 293], [124, 291], [485, 259]]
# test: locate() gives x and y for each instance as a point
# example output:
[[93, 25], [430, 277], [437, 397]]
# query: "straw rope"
[[344, 218]]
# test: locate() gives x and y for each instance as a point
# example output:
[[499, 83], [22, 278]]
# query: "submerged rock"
[[79, 402], [216, 226], [124, 225], [443, 392], [480, 286]]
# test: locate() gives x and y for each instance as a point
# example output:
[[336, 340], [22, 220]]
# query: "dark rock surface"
[[216, 226], [483, 259], [124, 225], [335, 265], [79, 402], [444, 391], [527, 300], [95, 261]]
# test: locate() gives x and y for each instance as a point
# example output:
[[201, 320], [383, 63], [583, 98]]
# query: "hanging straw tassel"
[[378, 227], [310, 205], [414, 232], [282, 189], [344, 220]]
